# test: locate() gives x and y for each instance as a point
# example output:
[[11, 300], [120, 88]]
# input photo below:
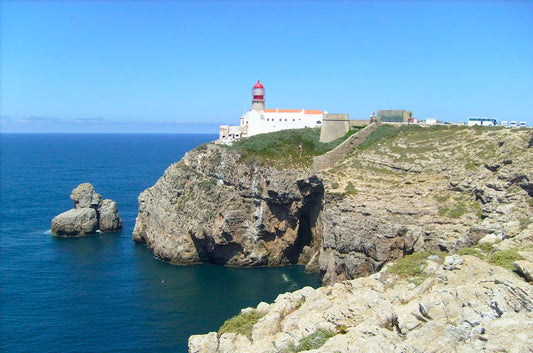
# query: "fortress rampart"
[[334, 126], [330, 159]]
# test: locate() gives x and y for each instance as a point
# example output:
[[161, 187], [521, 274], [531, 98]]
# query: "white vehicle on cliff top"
[[483, 121]]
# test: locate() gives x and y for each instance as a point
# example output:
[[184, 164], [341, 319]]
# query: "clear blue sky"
[[175, 66]]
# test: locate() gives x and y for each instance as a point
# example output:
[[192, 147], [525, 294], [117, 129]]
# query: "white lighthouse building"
[[259, 120]]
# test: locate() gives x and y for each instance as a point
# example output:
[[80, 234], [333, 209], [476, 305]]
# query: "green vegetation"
[[485, 251], [335, 185], [504, 258], [411, 267], [458, 206], [458, 211], [350, 189], [441, 199], [313, 341], [286, 148], [241, 324], [382, 132]]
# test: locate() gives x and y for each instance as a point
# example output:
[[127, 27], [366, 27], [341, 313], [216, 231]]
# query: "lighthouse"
[[258, 97]]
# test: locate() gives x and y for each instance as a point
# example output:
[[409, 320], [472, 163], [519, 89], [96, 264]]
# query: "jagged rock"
[[89, 214], [109, 219], [75, 222], [477, 307], [212, 207], [377, 208], [452, 262], [525, 269], [84, 196]]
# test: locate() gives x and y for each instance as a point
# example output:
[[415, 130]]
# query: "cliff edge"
[[213, 207]]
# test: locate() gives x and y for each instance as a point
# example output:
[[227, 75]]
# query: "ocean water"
[[103, 293]]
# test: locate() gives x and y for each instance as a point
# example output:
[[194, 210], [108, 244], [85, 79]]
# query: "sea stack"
[[90, 214]]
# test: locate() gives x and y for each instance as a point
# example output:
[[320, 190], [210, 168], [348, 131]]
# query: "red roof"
[[293, 111], [258, 85]]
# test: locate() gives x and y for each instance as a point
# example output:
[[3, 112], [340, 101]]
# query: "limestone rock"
[[525, 269], [211, 207], [80, 221], [435, 189], [109, 218], [89, 214], [476, 307], [84, 196]]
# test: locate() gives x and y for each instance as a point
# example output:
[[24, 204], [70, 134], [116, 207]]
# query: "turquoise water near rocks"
[[103, 293]]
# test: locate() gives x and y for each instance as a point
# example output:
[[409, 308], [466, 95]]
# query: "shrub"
[[411, 267], [504, 258], [286, 148], [350, 189], [313, 341], [241, 324], [458, 211], [470, 251]]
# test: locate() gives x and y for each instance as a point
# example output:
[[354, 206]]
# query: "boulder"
[[75, 222], [89, 214], [108, 217], [84, 196]]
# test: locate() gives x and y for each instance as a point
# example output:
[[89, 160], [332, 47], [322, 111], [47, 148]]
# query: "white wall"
[[263, 122]]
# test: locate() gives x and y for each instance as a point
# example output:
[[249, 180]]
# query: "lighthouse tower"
[[258, 97]]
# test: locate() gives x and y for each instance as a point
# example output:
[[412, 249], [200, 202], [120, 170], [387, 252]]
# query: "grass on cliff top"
[[313, 341], [241, 324], [411, 267], [286, 148]]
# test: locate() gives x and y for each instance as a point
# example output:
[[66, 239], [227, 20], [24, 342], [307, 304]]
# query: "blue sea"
[[103, 293]]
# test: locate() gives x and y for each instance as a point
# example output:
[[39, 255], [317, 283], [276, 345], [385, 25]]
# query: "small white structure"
[[259, 120], [483, 121], [504, 123], [522, 124]]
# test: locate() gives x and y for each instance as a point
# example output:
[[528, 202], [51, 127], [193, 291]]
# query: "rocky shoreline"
[[437, 191], [464, 305]]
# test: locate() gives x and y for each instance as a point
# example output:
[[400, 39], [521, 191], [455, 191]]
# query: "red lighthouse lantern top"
[[258, 91]]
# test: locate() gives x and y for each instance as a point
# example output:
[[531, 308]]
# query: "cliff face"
[[424, 189], [414, 189], [212, 207]]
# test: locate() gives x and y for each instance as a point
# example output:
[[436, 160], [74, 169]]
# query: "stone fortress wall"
[[331, 158], [334, 126]]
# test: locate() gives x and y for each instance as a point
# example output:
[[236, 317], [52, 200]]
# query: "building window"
[[319, 122], [279, 119], [293, 119], [285, 119]]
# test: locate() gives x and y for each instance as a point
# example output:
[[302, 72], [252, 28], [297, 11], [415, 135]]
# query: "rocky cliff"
[[404, 190], [212, 207], [464, 304], [424, 189]]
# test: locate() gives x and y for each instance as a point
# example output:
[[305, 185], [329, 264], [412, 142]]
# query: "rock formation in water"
[[90, 214], [212, 207]]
